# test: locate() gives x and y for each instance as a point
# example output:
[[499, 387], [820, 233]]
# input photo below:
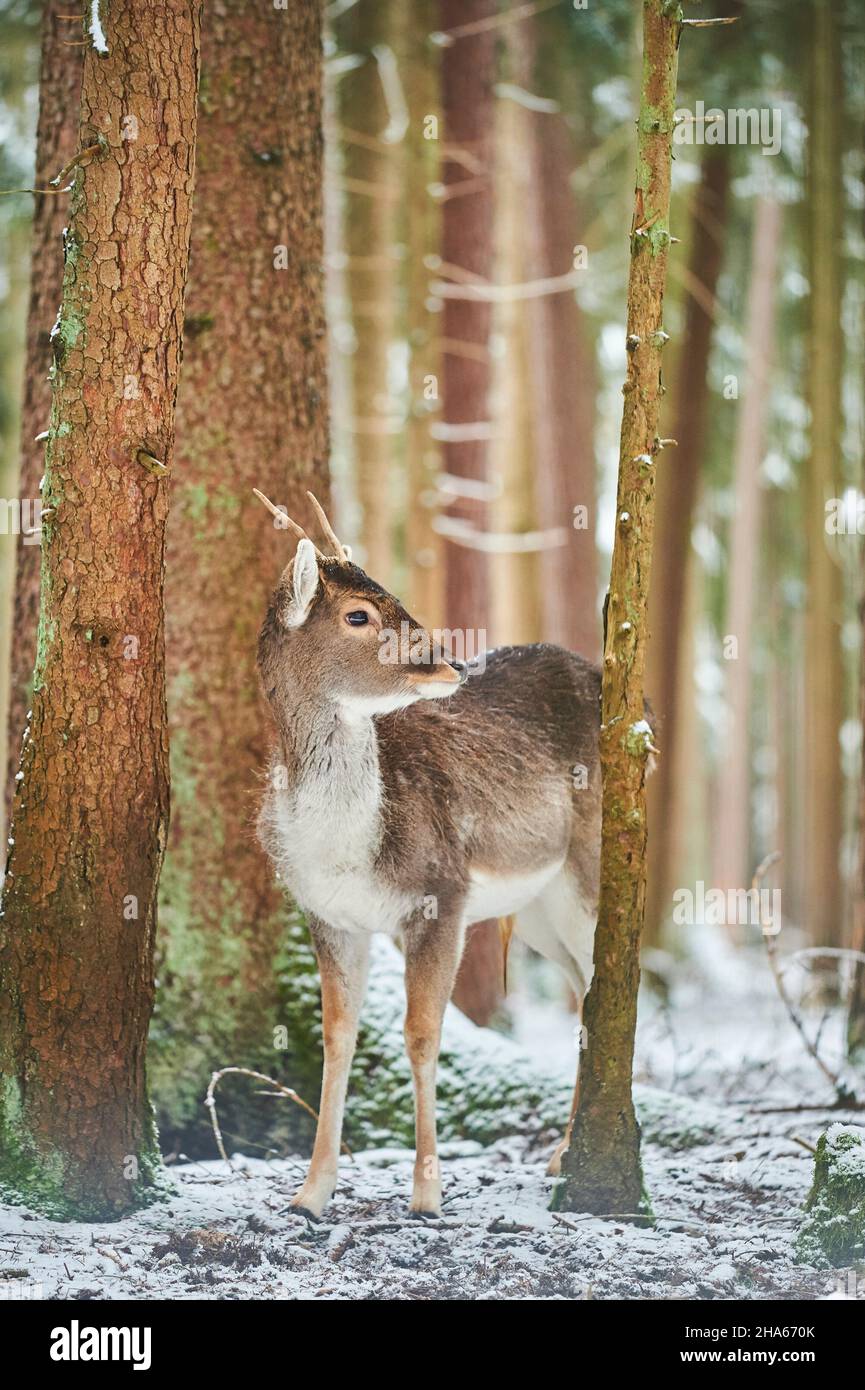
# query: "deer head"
[[333, 633]]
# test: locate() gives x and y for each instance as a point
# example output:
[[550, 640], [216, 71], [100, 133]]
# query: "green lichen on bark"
[[832, 1232], [42, 1179]]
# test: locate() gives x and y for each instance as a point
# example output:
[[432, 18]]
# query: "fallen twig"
[[278, 1089], [771, 940]]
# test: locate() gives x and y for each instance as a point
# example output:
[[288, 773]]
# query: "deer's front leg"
[[432, 956], [343, 959]]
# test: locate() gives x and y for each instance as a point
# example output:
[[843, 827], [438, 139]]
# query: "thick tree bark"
[[733, 867], [252, 412], [823, 667], [56, 135], [601, 1170], [468, 72], [677, 493], [91, 809], [371, 184]]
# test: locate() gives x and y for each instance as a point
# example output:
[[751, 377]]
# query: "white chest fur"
[[325, 832]]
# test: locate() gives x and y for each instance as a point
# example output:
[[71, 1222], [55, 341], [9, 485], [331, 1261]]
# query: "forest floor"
[[727, 1167]]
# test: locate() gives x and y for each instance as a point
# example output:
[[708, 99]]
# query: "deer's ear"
[[305, 581]]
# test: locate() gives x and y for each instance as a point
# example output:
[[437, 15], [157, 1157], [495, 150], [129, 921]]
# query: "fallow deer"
[[406, 783]]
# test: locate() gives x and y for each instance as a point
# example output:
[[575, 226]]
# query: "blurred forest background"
[[477, 202]]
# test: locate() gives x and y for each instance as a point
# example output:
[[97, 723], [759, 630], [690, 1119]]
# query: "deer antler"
[[342, 552], [285, 520]]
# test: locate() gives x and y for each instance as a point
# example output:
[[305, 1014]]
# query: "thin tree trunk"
[[252, 412], [601, 1170], [370, 131], [678, 489], [468, 71], [563, 392], [733, 868], [856, 1003], [91, 810], [517, 614], [56, 134], [823, 667], [423, 219]]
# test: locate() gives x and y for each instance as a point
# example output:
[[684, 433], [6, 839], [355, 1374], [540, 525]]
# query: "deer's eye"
[[357, 617]]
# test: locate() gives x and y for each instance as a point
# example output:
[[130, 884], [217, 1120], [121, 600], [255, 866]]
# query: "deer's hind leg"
[[560, 924], [432, 957], [343, 960]]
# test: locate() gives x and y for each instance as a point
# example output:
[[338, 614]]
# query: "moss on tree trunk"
[[90, 815], [601, 1170], [833, 1228], [59, 92]]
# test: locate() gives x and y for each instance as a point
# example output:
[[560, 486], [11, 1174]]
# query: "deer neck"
[[331, 758]]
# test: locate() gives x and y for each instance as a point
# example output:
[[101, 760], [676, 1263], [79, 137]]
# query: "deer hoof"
[[302, 1210], [310, 1204], [426, 1201]]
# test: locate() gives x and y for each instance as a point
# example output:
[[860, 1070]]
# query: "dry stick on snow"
[[623, 1216], [771, 940], [278, 1089]]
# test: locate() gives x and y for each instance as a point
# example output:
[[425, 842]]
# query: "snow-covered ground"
[[727, 1168]]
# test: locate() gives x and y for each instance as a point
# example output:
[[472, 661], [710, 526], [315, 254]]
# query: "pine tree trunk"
[[678, 489], [372, 197], [562, 385], [252, 412], [823, 667], [468, 72], [601, 1170], [733, 868], [856, 1003], [56, 134], [91, 810], [423, 218], [517, 614]]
